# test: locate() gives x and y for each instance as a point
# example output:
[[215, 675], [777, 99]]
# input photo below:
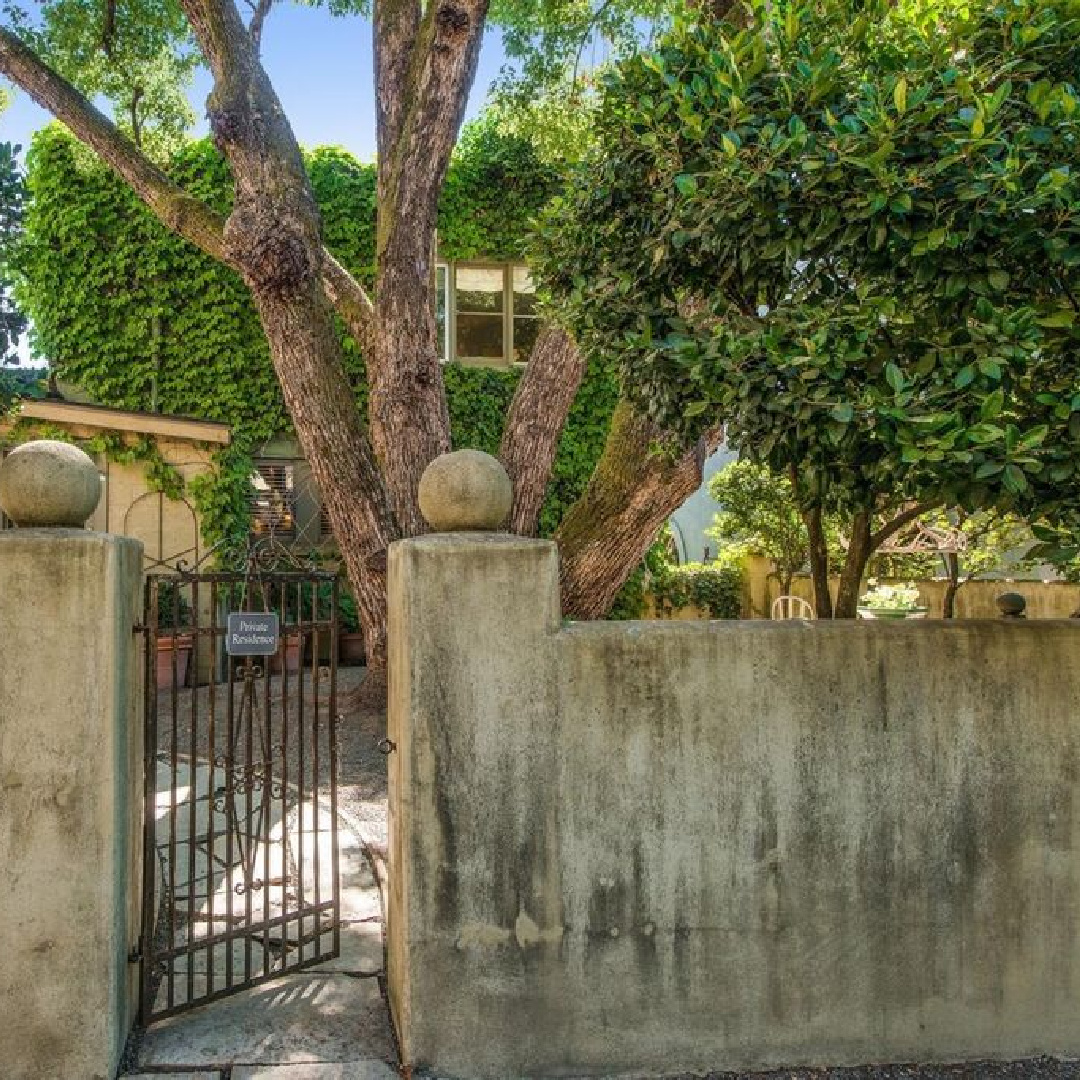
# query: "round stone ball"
[[466, 491], [1011, 605], [49, 484]]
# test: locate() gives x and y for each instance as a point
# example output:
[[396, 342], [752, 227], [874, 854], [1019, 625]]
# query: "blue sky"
[[321, 67]]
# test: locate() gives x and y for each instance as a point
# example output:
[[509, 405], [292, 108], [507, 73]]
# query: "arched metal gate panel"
[[240, 879]]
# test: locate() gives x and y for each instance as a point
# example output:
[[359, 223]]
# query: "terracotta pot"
[[292, 648], [350, 648], [165, 647]]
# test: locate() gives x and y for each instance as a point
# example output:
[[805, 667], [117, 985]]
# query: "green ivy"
[[150, 323], [710, 588]]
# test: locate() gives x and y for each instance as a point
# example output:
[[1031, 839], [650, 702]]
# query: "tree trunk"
[[952, 574], [819, 562], [273, 237], [425, 63], [633, 491], [859, 551], [535, 423]]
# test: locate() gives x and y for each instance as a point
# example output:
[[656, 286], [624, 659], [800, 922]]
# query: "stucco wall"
[[678, 846], [70, 801]]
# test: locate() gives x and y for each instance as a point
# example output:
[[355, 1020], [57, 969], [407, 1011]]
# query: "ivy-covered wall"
[[143, 320]]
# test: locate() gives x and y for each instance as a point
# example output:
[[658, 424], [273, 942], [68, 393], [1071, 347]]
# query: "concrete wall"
[[669, 846], [70, 801]]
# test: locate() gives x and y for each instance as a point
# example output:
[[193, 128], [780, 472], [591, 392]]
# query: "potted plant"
[[173, 645], [891, 602], [350, 640]]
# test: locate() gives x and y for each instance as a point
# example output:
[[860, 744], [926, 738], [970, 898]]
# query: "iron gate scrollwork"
[[240, 880]]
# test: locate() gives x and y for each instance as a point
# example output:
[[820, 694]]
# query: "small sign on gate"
[[251, 633]]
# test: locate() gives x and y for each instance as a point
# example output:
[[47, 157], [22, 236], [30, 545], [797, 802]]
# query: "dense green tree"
[[851, 232]]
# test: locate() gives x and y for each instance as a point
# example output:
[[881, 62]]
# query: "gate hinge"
[[135, 955]]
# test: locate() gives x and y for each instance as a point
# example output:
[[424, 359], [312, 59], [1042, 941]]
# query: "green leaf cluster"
[[715, 589], [851, 232]]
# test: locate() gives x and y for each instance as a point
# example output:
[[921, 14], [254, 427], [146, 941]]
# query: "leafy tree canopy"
[[851, 231]]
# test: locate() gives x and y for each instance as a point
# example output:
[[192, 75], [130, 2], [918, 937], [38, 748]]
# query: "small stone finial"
[[1011, 605], [466, 491], [49, 484]]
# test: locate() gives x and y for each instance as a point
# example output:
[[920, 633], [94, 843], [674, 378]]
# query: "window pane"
[[525, 334], [524, 292], [440, 310], [273, 503], [479, 336], [479, 289]]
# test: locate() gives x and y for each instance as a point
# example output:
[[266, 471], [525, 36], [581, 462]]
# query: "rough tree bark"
[[272, 236], [633, 491], [818, 555], [425, 64], [535, 423], [952, 577], [863, 542]]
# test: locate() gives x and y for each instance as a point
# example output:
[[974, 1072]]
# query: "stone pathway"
[[327, 1022]]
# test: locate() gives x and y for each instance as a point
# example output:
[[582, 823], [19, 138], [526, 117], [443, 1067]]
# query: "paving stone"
[[340, 1070], [293, 1019], [215, 1075], [180, 996], [361, 949]]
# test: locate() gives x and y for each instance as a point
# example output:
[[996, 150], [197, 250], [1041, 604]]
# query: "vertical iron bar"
[[316, 786], [150, 862], [230, 799], [211, 753], [266, 809], [332, 721], [174, 750], [302, 903], [247, 708], [193, 802], [285, 815]]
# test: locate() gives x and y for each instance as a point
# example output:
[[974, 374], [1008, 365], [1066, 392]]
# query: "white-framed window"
[[485, 313]]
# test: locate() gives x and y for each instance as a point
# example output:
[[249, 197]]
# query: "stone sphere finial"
[[49, 484], [1011, 605], [466, 491]]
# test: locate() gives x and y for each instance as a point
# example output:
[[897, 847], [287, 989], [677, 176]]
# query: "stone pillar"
[[70, 772], [473, 614]]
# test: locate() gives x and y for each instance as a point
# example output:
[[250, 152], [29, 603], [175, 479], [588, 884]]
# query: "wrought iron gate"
[[240, 878]]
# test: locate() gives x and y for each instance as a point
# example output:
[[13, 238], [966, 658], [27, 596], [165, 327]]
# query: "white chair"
[[791, 607]]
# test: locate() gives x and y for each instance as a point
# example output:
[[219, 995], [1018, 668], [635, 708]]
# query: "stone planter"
[[892, 613], [181, 644]]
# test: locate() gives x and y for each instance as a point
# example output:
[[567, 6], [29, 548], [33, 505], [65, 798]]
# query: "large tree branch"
[[396, 25], [179, 211], [427, 67], [536, 420], [182, 213], [905, 517], [633, 491]]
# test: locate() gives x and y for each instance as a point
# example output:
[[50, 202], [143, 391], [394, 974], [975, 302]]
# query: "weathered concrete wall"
[[670, 846], [70, 801]]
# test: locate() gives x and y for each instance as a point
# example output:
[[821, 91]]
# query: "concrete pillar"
[[70, 774], [483, 606]]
